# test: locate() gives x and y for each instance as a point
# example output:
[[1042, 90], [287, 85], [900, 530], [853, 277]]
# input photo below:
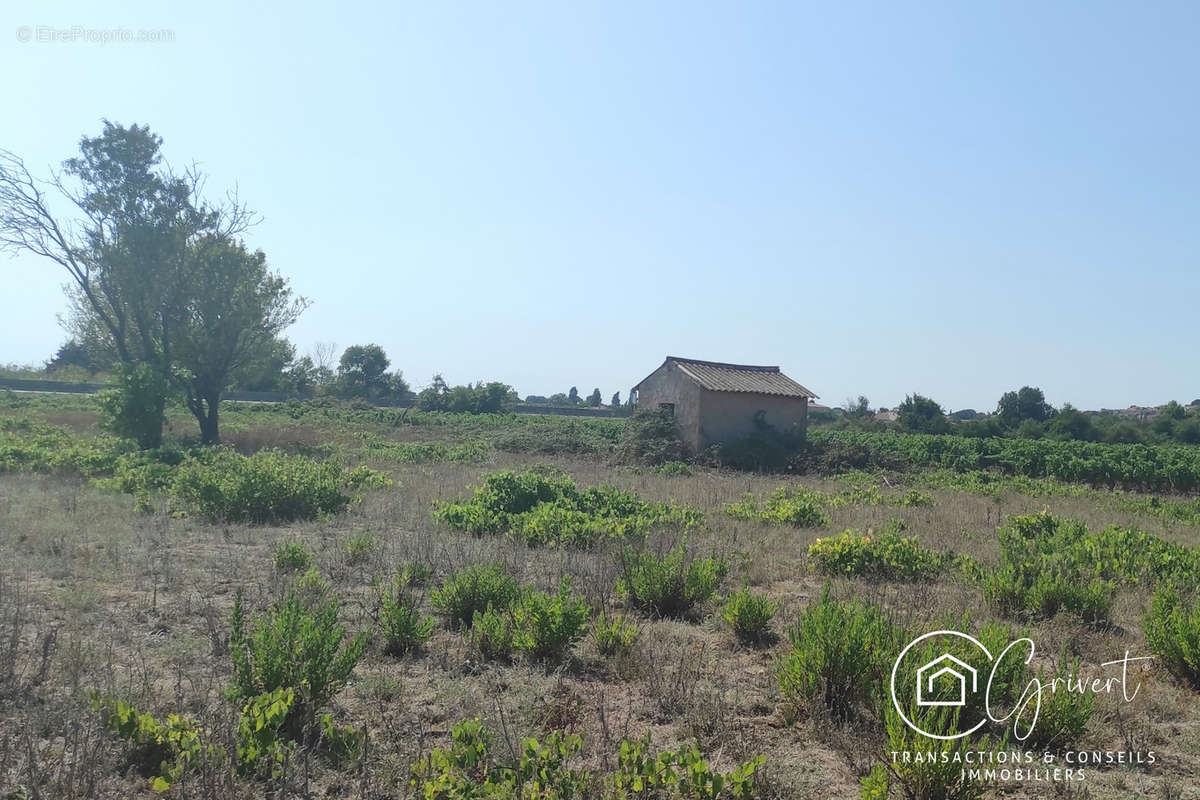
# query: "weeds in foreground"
[[298, 644]]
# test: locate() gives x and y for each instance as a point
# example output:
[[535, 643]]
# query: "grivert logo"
[[950, 681]]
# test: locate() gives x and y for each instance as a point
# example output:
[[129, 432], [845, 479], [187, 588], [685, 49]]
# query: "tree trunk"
[[209, 433], [204, 404]]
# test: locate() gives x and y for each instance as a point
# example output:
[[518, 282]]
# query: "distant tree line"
[[1024, 414], [571, 399]]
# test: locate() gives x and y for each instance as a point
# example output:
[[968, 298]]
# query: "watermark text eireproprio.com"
[[54, 34]]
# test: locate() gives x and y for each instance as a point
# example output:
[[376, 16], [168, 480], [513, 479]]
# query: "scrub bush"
[[614, 636], [888, 556], [297, 644], [682, 773], [750, 616], [268, 486], [789, 506], [541, 509], [840, 657], [468, 769], [545, 626], [1173, 633], [473, 590], [672, 585], [404, 627]]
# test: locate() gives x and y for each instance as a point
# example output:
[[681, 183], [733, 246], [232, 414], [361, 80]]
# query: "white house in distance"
[[716, 402]]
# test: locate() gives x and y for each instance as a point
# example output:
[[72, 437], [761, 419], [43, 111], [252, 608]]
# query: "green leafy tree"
[[1028, 402], [73, 353], [493, 397], [267, 370], [158, 275], [594, 399], [361, 370], [1071, 423], [616, 400], [919, 414], [231, 319], [573, 396]]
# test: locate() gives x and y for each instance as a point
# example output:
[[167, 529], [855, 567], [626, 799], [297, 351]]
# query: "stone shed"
[[716, 402]]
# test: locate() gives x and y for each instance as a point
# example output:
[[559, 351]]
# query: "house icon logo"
[[948, 680], [940, 672]]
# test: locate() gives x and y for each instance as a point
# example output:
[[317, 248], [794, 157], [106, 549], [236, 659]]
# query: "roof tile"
[[720, 377]]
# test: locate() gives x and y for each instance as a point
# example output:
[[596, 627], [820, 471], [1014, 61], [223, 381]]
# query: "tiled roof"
[[720, 377]]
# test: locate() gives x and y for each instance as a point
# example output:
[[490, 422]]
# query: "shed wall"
[[668, 384], [725, 416]]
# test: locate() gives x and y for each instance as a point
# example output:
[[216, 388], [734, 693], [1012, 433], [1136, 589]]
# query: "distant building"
[[714, 402], [884, 415], [1140, 412]]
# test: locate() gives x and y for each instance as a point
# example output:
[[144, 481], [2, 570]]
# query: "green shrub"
[[135, 408], [297, 644], [358, 549], [312, 587], [1063, 715], [547, 625], [268, 486], [672, 585], [946, 774], [1166, 468], [469, 771], [541, 509], [539, 625], [492, 634], [1173, 633], [416, 573], [404, 628], [681, 773], [887, 556], [1049, 564], [789, 506], [28, 445], [875, 784], [750, 615], [168, 750], [262, 746], [614, 636], [673, 469], [1020, 590], [344, 745], [1006, 684], [475, 589], [916, 499], [651, 438], [144, 470], [471, 452], [841, 653], [162, 750], [291, 555]]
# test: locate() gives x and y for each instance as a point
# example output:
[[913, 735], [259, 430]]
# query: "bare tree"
[[324, 355]]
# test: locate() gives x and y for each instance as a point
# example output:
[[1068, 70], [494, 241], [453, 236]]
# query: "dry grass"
[[94, 596]]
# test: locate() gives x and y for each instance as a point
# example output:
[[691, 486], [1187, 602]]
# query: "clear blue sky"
[[955, 199]]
